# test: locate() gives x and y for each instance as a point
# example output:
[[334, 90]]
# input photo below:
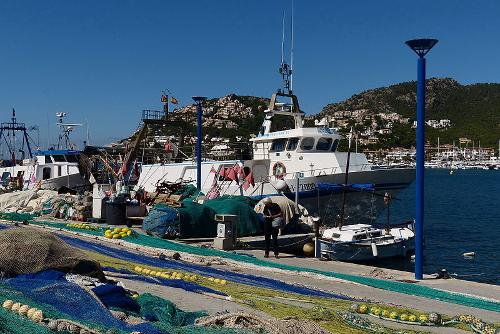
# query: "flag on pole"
[[231, 174], [173, 100], [237, 169], [249, 181]]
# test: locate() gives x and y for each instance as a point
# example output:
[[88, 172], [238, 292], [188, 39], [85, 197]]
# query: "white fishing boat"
[[50, 169], [363, 242], [292, 162], [288, 161]]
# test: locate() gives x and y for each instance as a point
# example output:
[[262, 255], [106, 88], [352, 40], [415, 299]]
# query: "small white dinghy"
[[362, 242]]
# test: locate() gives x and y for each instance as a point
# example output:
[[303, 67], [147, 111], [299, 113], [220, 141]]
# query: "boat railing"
[[351, 242], [316, 172]]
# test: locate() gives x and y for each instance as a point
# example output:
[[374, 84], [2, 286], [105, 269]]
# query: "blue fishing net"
[[173, 283], [73, 302], [162, 221], [252, 280], [115, 297]]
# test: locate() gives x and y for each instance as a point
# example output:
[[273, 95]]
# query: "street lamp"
[[421, 48], [198, 100]]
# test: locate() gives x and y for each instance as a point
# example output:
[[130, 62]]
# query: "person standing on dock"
[[272, 223]]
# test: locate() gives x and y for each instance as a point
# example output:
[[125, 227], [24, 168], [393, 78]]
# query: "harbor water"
[[462, 214]]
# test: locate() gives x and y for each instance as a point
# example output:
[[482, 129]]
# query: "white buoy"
[[8, 304], [374, 249]]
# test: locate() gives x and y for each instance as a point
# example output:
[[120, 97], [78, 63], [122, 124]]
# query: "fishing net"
[[27, 250], [18, 216], [203, 270], [400, 287], [249, 321], [187, 191], [162, 221], [60, 299], [173, 283], [155, 309], [194, 220], [11, 323]]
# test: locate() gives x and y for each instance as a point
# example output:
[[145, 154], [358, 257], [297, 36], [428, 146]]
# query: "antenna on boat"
[[285, 69], [291, 51], [65, 129], [283, 38]]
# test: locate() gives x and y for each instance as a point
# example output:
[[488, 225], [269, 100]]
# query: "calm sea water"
[[462, 214]]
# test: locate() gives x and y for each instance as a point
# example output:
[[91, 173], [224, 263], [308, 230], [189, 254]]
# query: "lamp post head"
[[421, 46], [199, 99]]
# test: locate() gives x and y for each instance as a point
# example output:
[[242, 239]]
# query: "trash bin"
[[115, 213]]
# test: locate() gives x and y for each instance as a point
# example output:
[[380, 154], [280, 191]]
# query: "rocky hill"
[[228, 115]]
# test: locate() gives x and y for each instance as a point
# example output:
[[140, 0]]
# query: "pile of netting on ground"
[[400, 287], [204, 270], [173, 283], [25, 201], [195, 220], [60, 299], [18, 216], [26, 250], [244, 320], [101, 309]]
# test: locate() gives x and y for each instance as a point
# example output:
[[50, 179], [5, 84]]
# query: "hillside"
[[382, 117], [474, 110]]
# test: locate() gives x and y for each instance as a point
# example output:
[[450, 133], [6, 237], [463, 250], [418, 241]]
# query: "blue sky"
[[105, 61]]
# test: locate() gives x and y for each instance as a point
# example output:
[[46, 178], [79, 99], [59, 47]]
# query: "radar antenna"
[[285, 69], [64, 131]]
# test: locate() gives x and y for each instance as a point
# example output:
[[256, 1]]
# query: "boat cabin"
[[56, 163], [351, 233]]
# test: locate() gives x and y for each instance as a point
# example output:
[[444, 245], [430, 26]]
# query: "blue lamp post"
[[198, 100], [421, 48]]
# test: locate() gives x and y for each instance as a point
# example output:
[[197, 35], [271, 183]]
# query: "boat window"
[[375, 234], [59, 170], [58, 158], [5, 175], [292, 144], [360, 236], [307, 143], [335, 236], [72, 158], [46, 173], [324, 144], [278, 145], [335, 145]]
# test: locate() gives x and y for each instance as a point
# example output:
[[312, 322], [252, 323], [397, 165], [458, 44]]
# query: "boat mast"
[[9, 130], [346, 179], [291, 51]]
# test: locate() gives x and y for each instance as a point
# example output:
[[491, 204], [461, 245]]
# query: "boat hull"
[[363, 252], [361, 206]]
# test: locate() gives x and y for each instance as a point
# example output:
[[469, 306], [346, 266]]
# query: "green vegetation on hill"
[[474, 110]]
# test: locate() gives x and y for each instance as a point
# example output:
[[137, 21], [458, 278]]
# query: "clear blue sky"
[[105, 61]]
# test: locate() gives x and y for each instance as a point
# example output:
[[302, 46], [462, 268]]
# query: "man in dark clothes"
[[272, 224]]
